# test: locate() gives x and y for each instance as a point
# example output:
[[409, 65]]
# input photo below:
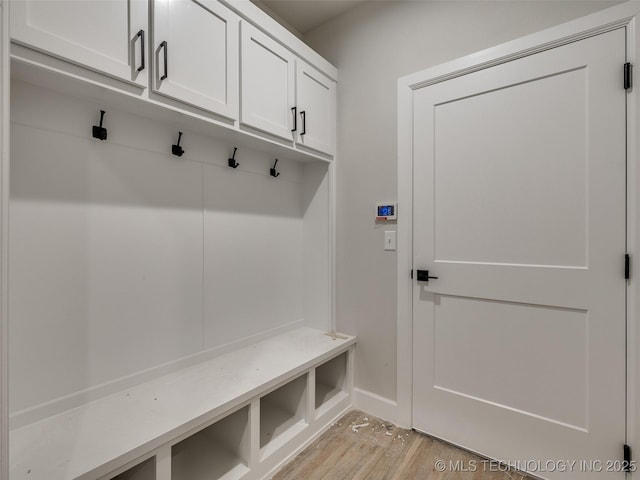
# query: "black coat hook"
[[232, 160], [176, 149], [100, 132], [273, 172]]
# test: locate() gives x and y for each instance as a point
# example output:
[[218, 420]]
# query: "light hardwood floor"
[[362, 447]]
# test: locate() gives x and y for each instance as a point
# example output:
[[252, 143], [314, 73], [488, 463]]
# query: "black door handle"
[[294, 110], [423, 276], [303, 114]]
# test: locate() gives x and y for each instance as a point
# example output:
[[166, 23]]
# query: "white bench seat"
[[90, 441]]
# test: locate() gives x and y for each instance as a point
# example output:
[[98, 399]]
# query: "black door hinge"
[[627, 266], [626, 458], [628, 76], [412, 273]]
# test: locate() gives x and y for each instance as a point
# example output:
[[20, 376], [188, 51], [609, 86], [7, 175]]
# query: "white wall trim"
[[4, 207], [633, 246], [623, 15], [333, 240], [599, 22], [404, 382]]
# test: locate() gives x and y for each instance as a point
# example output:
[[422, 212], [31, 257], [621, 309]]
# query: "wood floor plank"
[[361, 447]]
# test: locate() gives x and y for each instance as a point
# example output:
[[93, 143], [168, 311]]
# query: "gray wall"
[[372, 46]]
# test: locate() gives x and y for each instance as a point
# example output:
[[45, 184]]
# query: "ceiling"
[[305, 15]]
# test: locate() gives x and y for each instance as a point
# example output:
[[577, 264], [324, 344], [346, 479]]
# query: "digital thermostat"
[[387, 211]]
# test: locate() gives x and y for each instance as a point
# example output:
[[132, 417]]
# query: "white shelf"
[[95, 439]]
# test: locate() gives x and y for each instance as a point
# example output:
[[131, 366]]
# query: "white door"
[[316, 98], [108, 36], [196, 54], [519, 210], [267, 84]]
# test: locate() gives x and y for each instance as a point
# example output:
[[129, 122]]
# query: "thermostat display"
[[386, 211]]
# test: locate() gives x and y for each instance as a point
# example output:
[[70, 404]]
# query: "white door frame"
[[4, 205], [623, 15]]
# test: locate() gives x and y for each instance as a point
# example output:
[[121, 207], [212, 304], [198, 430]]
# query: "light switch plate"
[[390, 240]]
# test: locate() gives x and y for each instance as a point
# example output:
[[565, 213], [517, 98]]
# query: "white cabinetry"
[[106, 36], [196, 57], [316, 100], [196, 54], [159, 378], [267, 84], [283, 96]]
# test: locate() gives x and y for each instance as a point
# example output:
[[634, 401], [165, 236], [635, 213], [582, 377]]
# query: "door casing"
[[626, 15]]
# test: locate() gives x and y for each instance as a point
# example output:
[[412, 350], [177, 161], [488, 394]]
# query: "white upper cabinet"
[[196, 54], [284, 96], [104, 35], [316, 101], [267, 84]]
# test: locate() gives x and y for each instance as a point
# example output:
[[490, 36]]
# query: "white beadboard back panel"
[[124, 257], [316, 244], [252, 254]]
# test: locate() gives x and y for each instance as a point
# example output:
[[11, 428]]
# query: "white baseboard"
[[378, 406]]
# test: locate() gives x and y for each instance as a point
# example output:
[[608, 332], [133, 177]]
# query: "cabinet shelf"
[[218, 452]]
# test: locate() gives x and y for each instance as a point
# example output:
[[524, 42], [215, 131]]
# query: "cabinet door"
[[103, 35], [196, 53], [267, 84], [316, 95]]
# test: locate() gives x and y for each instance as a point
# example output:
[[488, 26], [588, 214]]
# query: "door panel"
[[519, 210], [202, 54], [316, 97], [483, 329], [508, 216], [100, 35], [267, 84]]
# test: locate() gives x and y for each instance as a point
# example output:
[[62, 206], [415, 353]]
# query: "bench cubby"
[[219, 451], [331, 381], [143, 471], [282, 414]]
